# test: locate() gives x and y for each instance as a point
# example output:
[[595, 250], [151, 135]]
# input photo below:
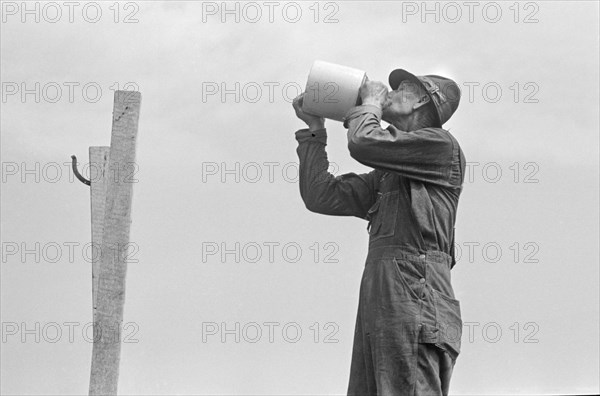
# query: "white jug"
[[332, 90]]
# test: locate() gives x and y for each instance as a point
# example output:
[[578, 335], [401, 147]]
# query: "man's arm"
[[346, 195], [322, 192], [425, 154]]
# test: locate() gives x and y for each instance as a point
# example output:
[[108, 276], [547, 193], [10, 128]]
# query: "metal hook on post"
[[76, 171]]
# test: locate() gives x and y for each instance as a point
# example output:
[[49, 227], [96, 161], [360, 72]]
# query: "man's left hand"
[[314, 122]]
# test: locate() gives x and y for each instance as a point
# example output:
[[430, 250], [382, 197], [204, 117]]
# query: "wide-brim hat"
[[443, 92]]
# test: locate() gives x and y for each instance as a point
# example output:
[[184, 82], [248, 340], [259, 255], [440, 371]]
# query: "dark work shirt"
[[410, 198]]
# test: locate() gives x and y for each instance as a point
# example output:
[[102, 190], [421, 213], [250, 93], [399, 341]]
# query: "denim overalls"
[[408, 326]]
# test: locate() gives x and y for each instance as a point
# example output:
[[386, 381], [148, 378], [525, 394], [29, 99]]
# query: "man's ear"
[[423, 101]]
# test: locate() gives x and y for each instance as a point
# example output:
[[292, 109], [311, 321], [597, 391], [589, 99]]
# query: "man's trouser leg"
[[434, 371], [397, 346]]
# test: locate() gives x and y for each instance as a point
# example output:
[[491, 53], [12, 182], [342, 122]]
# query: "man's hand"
[[373, 93], [314, 122]]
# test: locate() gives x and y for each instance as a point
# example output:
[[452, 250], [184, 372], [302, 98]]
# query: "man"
[[408, 327]]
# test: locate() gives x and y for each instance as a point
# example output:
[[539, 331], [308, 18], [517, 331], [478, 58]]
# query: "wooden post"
[[98, 177], [110, 293]]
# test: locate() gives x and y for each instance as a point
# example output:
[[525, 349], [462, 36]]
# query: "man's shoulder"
[[445, 134]]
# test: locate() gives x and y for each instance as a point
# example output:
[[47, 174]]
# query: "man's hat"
[[443, 92]]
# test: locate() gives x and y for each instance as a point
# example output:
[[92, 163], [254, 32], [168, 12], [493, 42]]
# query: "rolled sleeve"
[[305, 135]]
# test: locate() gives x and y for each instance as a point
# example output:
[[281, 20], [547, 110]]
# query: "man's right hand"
[[374, 93], [314, 122]]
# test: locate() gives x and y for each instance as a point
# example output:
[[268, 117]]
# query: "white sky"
[[545, 280]]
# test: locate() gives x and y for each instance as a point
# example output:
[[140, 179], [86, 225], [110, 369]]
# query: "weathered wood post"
[[111, 197], [98, 176]]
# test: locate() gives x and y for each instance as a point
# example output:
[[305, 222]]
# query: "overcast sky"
[[217, 177]]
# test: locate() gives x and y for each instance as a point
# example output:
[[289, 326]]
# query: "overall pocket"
[[449, 323], [382, 216], [408, 278]]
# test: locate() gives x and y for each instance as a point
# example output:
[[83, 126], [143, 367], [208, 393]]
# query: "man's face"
[[403, 101]]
